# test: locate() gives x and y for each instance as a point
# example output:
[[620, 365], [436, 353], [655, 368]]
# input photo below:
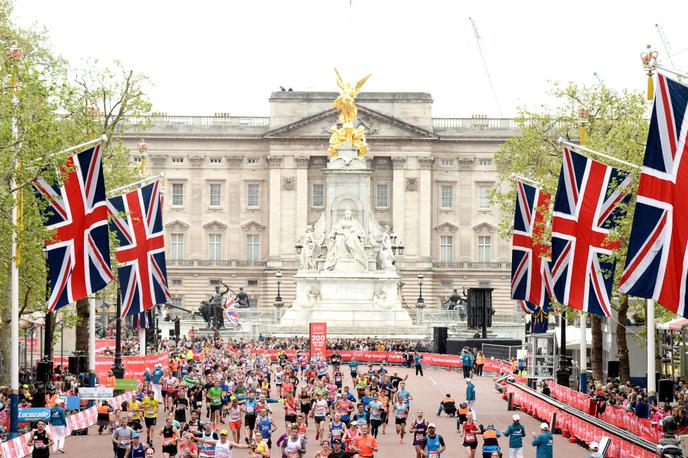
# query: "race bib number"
[[419, 436], [470, 438]]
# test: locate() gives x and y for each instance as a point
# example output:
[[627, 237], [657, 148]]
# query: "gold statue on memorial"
[[345, 131]]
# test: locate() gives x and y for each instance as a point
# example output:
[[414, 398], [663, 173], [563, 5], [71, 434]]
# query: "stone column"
[[274, 211], [399, 198], [235, 236], [302, 193], [425, 210]]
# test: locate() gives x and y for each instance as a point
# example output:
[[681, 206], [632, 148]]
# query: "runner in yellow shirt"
[[136, 408], [150, 414]]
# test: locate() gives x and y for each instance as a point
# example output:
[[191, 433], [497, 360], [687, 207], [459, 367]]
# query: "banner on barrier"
[[95, 393], [30, 414], [126, 384], [318, 339]]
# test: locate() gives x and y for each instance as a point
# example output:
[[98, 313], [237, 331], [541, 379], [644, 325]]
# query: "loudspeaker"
[[479, 308], [439, 340], [44, 371], [83, 363], [73, 365], [665, 391], [613, 369]]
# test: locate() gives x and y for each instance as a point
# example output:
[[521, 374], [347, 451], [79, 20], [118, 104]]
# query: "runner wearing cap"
[[515, 432], [349, 437], [136, 448], [543, 442], [338, 451], [223, 447], [433, 443]]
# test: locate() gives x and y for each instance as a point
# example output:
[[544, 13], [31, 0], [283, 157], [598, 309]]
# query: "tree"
[[615, 123], [53, 112]]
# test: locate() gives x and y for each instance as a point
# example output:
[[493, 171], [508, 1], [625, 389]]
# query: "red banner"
[[134, 366], [318, 338]]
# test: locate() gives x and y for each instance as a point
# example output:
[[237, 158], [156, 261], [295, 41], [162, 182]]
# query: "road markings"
[[432, 380]]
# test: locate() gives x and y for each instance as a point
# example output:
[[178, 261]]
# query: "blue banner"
[[31, 414]]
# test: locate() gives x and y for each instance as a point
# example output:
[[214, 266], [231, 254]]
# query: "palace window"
[[177, 194], [216, 160], [214, 247], [318, 195], [485, 162], [177, 246], [253, 247], [484, 248], [446, 248], [215, 195], [177, 159], [484, 195], [382, 196], [446, 196], [253, 161], [175, 282], [447, 162], [253, 195]]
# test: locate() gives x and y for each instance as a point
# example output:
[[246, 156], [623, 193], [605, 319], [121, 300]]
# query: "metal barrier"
[[502, 352], [611, 429]]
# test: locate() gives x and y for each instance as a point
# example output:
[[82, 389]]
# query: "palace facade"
[[240, 191]]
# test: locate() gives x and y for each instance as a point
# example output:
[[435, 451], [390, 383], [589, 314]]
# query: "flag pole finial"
[[649, 59]]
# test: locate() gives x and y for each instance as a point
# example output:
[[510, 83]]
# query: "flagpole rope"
[[576, 147]]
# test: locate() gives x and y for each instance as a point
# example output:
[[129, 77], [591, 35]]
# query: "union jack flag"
[[143, 320], [231, 309], [79, 252], [586, 208], [137, 221], [530, 276], [656, 260]]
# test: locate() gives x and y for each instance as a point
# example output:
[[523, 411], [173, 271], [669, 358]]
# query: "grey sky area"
[[227, 56]]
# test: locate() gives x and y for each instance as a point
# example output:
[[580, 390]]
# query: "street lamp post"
[[118, 367], [278, 300], [420, 302]]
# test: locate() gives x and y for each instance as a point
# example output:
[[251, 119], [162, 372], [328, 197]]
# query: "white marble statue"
[[310, 250], [345, 241], [385, 254], [380, 300]]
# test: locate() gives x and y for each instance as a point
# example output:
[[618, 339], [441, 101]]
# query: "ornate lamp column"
[[420, 302], [278, 300]]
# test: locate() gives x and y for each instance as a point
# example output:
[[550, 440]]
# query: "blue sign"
[[72, 402], [31, 414]]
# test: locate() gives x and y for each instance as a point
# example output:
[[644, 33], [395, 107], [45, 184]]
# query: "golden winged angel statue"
[[346, 101], [346, 104]]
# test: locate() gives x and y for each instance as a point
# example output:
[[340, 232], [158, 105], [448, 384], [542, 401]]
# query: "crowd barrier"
[[613, 415], [574, 427], [134, 366], [391, 357], [18, 447]]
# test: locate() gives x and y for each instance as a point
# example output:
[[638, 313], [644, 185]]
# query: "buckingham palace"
[[240, 191]]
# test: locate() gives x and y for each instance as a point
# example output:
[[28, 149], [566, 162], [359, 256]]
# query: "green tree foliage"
[[615, 123]]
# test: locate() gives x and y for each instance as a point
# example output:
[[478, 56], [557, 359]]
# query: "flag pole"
[[651, 362], [516, 176], [145, 180], [91, 341], [142, 341], [577, 147], [81, 146], [14, 54]]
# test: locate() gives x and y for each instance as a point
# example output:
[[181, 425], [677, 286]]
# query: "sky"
[[207, 56]]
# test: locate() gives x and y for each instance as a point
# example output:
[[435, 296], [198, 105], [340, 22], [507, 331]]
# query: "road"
[[427, 391]]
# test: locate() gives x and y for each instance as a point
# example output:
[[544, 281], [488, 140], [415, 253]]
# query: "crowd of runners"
[[218, 396]]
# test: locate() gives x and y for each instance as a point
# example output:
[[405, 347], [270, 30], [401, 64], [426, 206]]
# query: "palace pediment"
[[378, 126]]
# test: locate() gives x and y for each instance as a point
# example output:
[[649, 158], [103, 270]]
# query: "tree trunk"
[[82, 313], [596, 350], [5, 333], [621, 343]]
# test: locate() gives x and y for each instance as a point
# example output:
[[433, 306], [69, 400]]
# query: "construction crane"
[[487, 70]]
